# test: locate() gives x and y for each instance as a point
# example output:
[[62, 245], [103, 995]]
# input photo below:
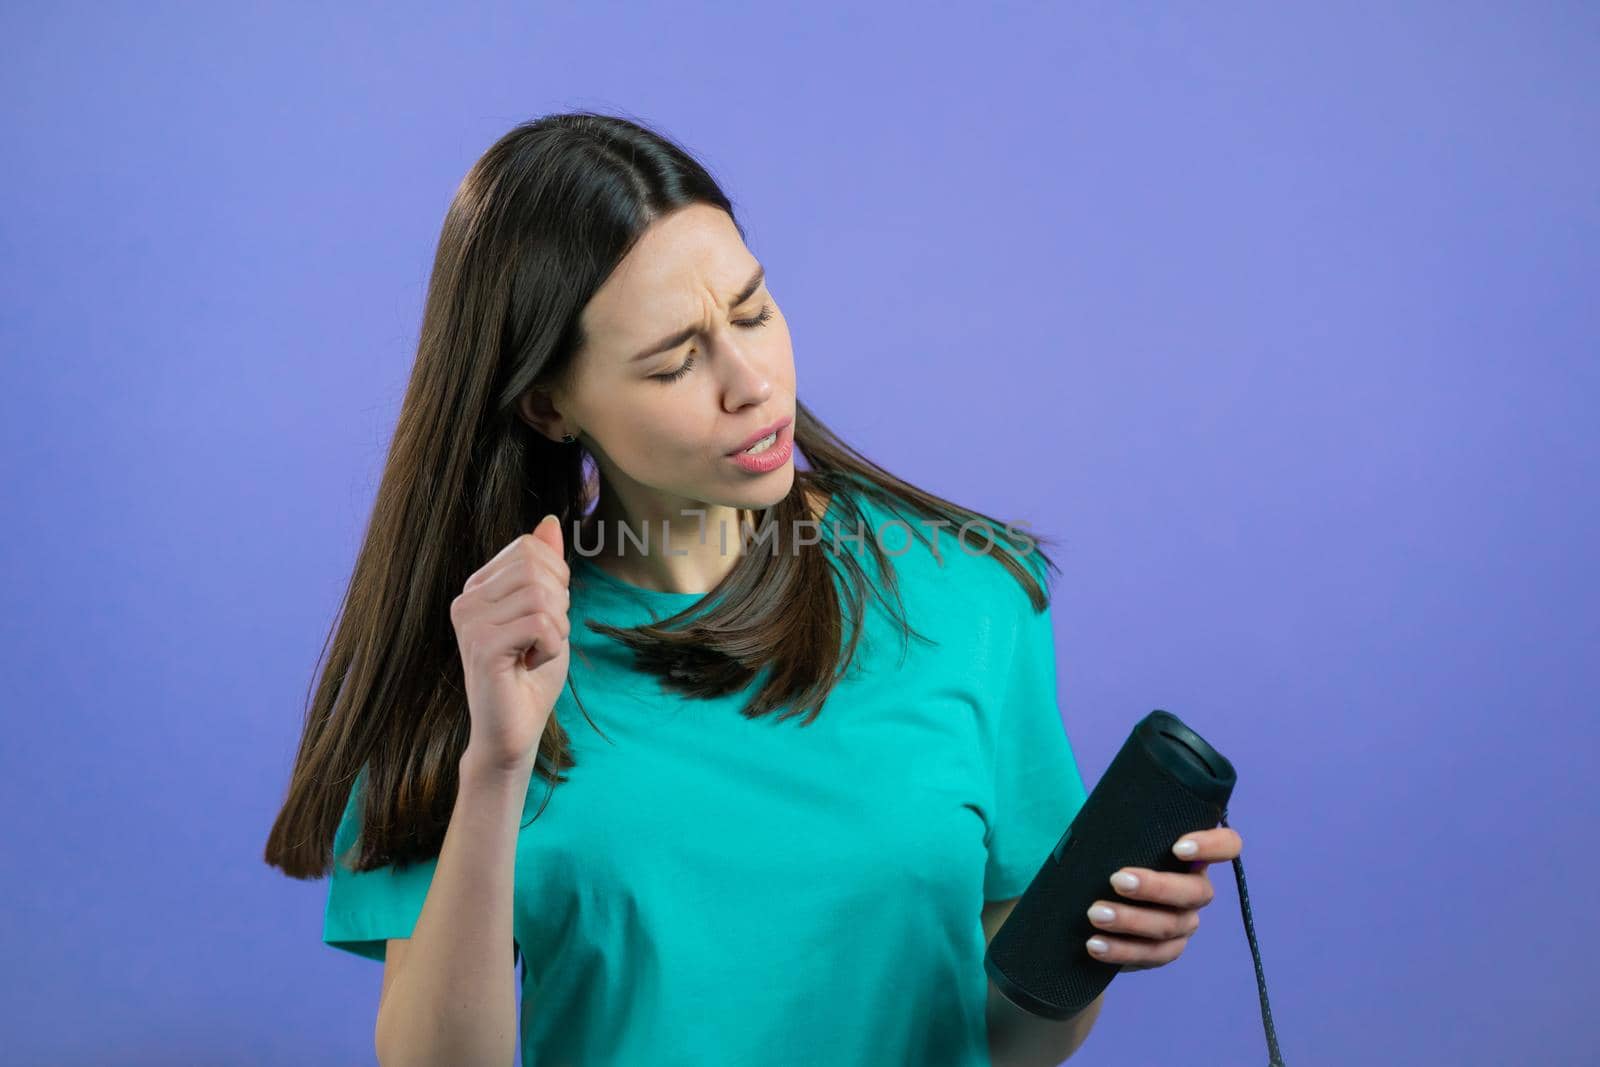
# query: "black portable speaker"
[[1166, 781]]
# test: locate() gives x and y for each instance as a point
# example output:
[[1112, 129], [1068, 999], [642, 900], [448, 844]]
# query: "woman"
[[749, 778]]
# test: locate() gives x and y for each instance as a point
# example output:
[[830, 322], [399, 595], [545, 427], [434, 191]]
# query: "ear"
[[538, 410]]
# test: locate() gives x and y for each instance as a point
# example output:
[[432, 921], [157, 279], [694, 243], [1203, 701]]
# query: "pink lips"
[[776, 455], [759, 434]]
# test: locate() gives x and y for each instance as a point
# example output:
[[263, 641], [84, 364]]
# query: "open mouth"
[[761, 445], [772, 437]]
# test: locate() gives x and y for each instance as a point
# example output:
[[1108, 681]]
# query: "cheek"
[[660, 437], [778, 355]]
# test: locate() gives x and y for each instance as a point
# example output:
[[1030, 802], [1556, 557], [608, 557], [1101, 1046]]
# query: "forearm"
[[453, 1000], [1020, 1038]]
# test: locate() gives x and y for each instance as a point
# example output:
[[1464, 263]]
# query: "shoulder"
[[965, 578]]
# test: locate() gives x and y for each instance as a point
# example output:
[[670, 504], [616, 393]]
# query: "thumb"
[[549, 531]]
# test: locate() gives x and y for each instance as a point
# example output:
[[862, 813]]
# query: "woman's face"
[[662, 421]]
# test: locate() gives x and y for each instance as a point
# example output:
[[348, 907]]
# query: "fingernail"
[[1097, 945], [1125, 881], [1101, 913], [1185, 849]]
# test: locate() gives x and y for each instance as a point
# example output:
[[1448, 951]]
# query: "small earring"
[[567, 438]]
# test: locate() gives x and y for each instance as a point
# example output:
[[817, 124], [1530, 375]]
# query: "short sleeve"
[[367, 908], [1037, 787]]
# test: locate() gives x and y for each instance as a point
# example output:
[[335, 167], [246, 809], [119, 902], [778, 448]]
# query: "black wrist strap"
[[1255, 953]]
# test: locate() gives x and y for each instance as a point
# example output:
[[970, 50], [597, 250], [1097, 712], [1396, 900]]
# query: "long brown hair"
[[534, 229]]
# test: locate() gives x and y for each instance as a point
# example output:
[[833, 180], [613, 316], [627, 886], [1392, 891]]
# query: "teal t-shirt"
[[707, 889]]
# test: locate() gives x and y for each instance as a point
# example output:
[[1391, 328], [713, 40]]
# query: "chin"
[[766, 491]]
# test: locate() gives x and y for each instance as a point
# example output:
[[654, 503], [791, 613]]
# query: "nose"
[[747, 381]]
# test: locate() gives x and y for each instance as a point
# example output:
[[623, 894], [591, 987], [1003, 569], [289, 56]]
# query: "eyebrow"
[[683, 335]]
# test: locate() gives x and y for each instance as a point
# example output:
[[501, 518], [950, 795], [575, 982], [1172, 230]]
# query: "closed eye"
[[748, 324]]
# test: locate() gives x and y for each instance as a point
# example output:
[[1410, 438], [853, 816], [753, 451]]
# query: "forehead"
[[683, 261]]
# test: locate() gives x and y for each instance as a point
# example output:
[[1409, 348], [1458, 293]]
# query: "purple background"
[[1277, 317]]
